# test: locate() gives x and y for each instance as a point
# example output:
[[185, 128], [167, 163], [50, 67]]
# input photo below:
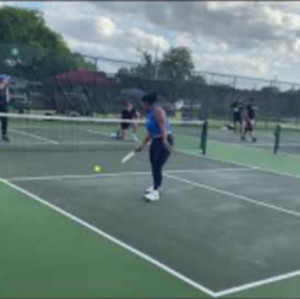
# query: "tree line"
[[42, 52]]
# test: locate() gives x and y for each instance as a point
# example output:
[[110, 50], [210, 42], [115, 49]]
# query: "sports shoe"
[[5, 138], [149, 190], [152, 196]]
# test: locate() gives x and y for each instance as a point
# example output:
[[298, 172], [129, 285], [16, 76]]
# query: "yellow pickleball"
[[97, 168]]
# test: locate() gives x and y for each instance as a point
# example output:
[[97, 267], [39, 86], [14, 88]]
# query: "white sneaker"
[[149, 190], [152, 196]]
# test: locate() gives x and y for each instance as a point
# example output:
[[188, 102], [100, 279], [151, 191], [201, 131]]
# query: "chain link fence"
[[100, 85]]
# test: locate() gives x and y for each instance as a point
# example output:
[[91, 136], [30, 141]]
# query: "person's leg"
[[123, 131], [123, 128], [153, 157], [4, 126], [159, 159], [252, 131], [254, 128], [240, 131], [133, 132], [4, 123], [234, 123]]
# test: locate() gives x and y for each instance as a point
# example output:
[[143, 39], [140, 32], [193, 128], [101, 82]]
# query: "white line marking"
[[113, 239], [116, 143], [116, 174], [155, 262], [235, 195], [253, 147], [35, 136], [257, 283], [192, 153], [283, 144], [96, 132]]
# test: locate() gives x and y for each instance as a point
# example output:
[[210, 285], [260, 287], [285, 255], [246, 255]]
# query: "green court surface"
[[227, 225]]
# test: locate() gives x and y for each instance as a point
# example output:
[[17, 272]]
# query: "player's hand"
[[139, 149], [168, 146]]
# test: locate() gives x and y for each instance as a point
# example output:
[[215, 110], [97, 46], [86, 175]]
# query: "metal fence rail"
[[105, 78]]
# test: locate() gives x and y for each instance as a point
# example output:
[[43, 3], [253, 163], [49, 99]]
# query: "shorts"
[[125, 126], [250, 124], [237, 118]]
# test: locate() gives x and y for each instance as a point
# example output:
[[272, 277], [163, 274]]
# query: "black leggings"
[[158, 157], [4, 121]]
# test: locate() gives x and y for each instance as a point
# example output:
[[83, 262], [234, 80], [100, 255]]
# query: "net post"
[[203, 144], [277, 134]]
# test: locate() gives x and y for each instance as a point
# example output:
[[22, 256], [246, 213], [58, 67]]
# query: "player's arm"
[[161, 120]]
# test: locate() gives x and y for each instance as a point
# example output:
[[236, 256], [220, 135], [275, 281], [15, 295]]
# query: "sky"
[[258, 39]]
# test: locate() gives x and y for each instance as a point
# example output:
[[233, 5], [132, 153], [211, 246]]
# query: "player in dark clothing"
[[237, 110], [4, 98], [128, 113], [249, 121]]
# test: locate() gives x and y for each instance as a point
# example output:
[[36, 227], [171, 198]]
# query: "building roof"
[[83, 77]]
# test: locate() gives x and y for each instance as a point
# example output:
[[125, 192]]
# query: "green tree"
[[146, 69], [177, 65], [197, 79], [123, 71], [38, 51]]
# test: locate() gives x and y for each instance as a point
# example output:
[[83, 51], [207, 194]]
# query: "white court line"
[[256, 284], [157, 263], [178, 275], [35, 136], [113, 239], [103, 134], [235, 195], [153, 261], [255, 202], [193, 153], [96, 132], [253, 147], [116, 174], [272, 144]]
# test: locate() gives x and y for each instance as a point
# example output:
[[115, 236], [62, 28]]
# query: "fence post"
[[277, 134], [203, 144]]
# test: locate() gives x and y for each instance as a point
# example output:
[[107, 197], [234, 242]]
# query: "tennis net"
[[287, 139], [82, 133]]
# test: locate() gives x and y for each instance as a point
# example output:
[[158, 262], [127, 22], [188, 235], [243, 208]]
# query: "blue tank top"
[[153, 127]]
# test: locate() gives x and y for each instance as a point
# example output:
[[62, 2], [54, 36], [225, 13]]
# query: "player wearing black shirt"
[[128, 113], [237, 110], [249, 121]]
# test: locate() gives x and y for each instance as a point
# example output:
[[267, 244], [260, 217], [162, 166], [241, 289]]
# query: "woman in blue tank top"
[[160, 134]]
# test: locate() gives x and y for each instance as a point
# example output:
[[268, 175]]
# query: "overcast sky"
[[248, 38]]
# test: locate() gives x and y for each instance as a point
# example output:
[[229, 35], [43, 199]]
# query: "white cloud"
[[148, 41], [106, 27], [249, 38]]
